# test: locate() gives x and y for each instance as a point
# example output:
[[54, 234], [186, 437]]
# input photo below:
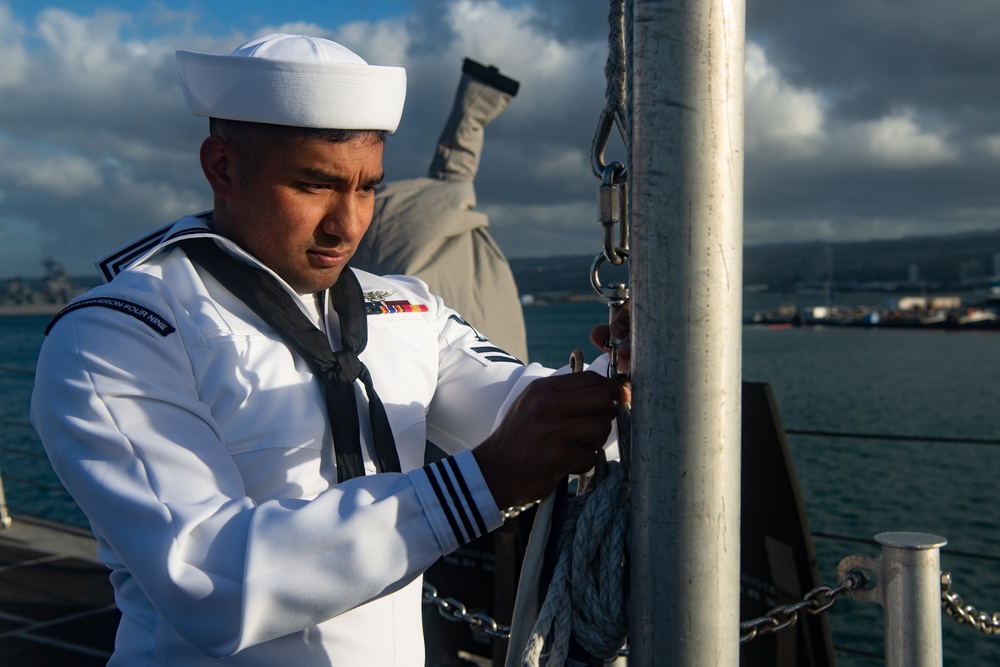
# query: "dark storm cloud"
[[874, 55], [908, 125], [429, 30], [572, 20]]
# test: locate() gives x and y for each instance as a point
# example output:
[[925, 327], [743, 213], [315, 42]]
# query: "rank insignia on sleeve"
[[387, 307]]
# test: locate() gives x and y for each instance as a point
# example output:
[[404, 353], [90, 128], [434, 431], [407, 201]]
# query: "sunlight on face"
[[304, 205]]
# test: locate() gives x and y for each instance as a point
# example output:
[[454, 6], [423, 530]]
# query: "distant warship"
[[39, 297]]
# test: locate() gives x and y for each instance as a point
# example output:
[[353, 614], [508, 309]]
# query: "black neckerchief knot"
[[338, 370], [347, 366]]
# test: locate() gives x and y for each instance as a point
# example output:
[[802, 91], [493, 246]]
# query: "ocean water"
[[924, 383]]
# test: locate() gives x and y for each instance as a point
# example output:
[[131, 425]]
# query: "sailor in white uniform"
[[242, 513]]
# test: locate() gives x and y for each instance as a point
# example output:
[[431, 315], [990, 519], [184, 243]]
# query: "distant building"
[[922, 303]]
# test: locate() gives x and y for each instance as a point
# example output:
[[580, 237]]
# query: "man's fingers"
[[589, 431], [579, 394], [599, 336]]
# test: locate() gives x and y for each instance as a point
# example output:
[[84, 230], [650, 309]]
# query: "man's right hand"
[[554, 428]]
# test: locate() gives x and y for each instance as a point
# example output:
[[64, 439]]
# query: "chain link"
[[966, 613], [514, 512], [456, 612], [816, 601]]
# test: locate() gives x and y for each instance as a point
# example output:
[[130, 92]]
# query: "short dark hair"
[[248, 137], [223, 127]]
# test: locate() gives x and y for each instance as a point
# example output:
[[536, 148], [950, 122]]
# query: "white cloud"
[[380, 43], [13, 55], [91, 47], [158, 202], [557, 78], [783, 123], [897, 141], [65, 176], [991, 145]]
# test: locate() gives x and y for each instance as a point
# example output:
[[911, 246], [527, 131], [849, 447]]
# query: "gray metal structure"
[[687, 208], [908, 586]]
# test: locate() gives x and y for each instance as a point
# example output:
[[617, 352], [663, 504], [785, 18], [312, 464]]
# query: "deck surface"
[[56, 603]]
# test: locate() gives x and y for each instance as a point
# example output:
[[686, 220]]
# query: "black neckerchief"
[[338, 370]]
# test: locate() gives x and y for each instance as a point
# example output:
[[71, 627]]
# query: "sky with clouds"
[[864, 118]]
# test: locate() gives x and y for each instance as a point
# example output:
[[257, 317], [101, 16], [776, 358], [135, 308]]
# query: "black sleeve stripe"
[[468, 494], [459, 505], [485, 348], [505, 360], [500, 355], [444, 503]]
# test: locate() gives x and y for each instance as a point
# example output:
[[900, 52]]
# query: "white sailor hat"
[[294, 80]]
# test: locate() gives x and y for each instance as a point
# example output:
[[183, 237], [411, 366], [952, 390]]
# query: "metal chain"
[[456, 612], [966, 613], [513, 512], [816, 601]]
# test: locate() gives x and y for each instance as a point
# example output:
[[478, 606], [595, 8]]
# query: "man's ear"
[[217, 161]]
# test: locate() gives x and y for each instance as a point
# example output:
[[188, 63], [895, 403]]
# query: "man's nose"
[[343, 218]]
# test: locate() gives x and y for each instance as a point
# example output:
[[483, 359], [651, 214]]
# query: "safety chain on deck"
[[977, 620], [815, 602], [455, 611]]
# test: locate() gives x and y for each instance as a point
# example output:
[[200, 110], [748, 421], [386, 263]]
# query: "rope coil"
[[586, 597]]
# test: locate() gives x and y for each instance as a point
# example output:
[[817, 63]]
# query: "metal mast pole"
[[687, 264]]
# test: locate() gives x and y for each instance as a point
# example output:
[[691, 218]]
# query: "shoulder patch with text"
[[155, 322]]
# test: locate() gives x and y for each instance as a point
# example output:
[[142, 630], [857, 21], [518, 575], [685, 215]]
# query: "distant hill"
[[937, 263], [941, 262]]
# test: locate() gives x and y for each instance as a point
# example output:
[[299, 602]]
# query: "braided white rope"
[[586, 597], [614, 67]]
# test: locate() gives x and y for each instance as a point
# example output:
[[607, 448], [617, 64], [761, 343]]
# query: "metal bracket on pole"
[[908, 586]]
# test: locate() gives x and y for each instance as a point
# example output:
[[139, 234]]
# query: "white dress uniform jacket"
[[198, 446]]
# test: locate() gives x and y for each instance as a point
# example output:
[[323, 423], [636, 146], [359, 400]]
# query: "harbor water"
[[845, 380]]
